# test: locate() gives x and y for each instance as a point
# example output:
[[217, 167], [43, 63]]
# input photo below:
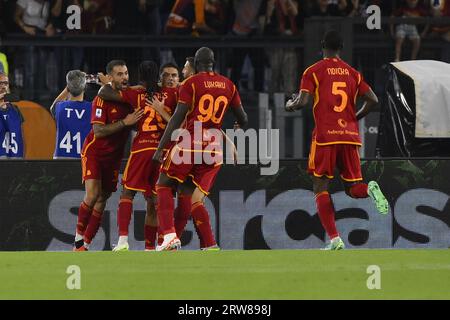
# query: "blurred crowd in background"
[[40, 69], [192, 17]]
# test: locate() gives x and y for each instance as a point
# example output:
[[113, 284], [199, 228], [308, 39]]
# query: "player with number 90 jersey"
[[208, 95]]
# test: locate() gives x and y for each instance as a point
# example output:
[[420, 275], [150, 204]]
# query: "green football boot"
[[213, 248], [378, 198], [335, 244], [122, 247]]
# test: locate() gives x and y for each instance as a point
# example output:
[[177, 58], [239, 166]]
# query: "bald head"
[[204, 59]]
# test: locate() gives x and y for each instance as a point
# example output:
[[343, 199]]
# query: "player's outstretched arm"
[[104, 130], [241, 116], [370, 102], [107, 93], [298, 101], [174, 123]]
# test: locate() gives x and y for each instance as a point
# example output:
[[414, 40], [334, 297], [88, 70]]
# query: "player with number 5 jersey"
[[335, 87]]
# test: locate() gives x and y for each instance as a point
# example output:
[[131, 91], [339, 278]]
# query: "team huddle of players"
[[204, 97], [157, 106]]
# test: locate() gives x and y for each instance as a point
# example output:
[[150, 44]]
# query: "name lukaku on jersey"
[[214, 84], [338, 71]]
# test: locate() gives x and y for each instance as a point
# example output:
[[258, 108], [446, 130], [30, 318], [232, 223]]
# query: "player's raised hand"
[[289, 107], [132, 118], [103, 79], [157, 104]]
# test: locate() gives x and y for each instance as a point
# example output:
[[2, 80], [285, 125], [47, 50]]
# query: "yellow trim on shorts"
[[339, 142], [173, 177], [134, 189], [140, 150], [351, 180], [312, 155], [323, 175], [198, 185]]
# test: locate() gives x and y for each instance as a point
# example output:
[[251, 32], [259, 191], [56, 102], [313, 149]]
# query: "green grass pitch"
[[276, 274]]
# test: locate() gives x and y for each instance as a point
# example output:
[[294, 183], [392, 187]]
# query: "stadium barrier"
[[39, 202]]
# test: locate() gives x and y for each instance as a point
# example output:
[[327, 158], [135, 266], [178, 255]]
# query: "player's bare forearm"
[[164, 114], [364, 111], [298, 101], [104, 130], [370, 102], [241, 116], [174, 123], [137, 87], [107, 93]]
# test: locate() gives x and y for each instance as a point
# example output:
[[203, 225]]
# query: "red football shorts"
[[141, 173], [203, 175], [105, 170], [324, 159]]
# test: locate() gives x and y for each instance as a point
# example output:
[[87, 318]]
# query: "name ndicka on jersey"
[[338, 71], [214, 84]]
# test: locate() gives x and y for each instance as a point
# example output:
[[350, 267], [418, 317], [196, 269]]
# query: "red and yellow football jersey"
[[335, 86], [112, 146], [152, 125], [208, 96]]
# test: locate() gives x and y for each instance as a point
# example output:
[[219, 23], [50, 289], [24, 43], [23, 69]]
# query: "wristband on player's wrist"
[[123, 123]]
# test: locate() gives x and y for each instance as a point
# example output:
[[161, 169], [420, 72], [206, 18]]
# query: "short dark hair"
[[168, 65], [191, 60], [114, 63], [332, 40], [3, 74]]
